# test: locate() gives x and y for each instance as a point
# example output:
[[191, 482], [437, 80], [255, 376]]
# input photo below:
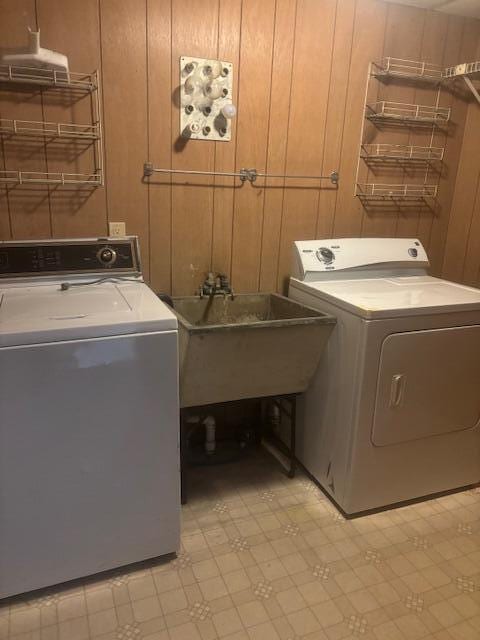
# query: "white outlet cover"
[[116, 229], [202, 89]]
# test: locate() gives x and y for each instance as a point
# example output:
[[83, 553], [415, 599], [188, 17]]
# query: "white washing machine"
[[393, 411], [89, 431]]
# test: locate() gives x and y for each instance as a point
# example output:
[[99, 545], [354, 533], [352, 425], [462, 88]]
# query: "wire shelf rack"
[[54, 178], [377, 191], [405, 113], [49, 78], [77, 86], [467, 68], [401, 153], [408, 69], [49, 129]]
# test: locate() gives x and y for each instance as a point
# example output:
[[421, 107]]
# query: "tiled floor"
[[268, 558]]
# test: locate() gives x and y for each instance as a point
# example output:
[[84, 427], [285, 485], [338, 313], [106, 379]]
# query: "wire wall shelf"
[[50, 129], [405, 113], [408, 69], [54, 178], [76, 86], [376, 191], [467, 68], [401, 153], [49, 78]]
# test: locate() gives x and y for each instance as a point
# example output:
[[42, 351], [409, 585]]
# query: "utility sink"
[[251, 346]]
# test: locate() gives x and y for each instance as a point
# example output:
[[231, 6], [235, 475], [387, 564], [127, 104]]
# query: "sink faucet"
[[216, 285]]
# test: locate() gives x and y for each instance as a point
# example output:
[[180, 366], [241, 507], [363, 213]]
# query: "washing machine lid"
[[41, 312], [393, 297]]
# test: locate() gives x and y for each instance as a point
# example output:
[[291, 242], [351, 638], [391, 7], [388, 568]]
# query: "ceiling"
[[470, 8]]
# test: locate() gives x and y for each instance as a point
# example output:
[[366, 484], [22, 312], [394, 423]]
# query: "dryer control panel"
[[69, 257], [321, 259]]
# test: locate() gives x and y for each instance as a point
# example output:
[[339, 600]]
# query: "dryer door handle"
[[397, 389]]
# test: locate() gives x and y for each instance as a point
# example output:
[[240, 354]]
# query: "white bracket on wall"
[[467, 71], [206, 107]]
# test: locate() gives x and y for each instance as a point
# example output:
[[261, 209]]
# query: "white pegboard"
[[205, 90]]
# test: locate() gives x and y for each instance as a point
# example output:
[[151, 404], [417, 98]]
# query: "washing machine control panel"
[[60, 257]]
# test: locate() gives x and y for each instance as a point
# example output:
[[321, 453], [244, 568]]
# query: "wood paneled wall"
[[462, 252], [300, 71]]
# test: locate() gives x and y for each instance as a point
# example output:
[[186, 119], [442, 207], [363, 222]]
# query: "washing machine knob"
[[107, 256], [324, 254], [413, 252]]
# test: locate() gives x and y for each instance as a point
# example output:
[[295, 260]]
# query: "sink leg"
[[293, 430], [183, 458]]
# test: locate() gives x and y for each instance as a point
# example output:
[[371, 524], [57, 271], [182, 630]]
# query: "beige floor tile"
[[157, 635], [147, 608], [314, 592], [264, 631], [205, 569], [267, 558], [446, 614], [348, 581], [252, 613], [363, 601], [327, 613], [24, 620], [167, 580], [186, 631], [236, 581], [273, 569], [74, 607], [464, 631], [303, 622], [388, 631], [102, 622], [417, 582], [213, 588], [227, 622], [99, 599], [291, 600], [142, 587], [76, 629], [411, 626]]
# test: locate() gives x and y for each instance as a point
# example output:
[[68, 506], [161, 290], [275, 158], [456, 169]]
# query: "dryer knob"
[[107, 256], [324, 254]]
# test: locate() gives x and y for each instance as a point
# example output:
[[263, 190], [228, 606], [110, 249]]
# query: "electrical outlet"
[[116, 229]]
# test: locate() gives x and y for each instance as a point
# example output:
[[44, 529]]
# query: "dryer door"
[[428, 384]]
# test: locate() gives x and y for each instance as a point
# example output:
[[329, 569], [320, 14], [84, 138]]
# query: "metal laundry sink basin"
[[252, 346]]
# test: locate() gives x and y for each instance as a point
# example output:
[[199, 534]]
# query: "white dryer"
[[89, 431], [393, 413]]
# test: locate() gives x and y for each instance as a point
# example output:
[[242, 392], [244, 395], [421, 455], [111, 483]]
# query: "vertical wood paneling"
[[453, 147], [277, 141], [299, 79], [229, 21], [471, 271], [195, 33], [403, 39], [252, 132], [75, 210], [462, 250], [123, 37], [312, 62], [433, 50], [337, 107], [29, 205], [159, 66], [368, 36]]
